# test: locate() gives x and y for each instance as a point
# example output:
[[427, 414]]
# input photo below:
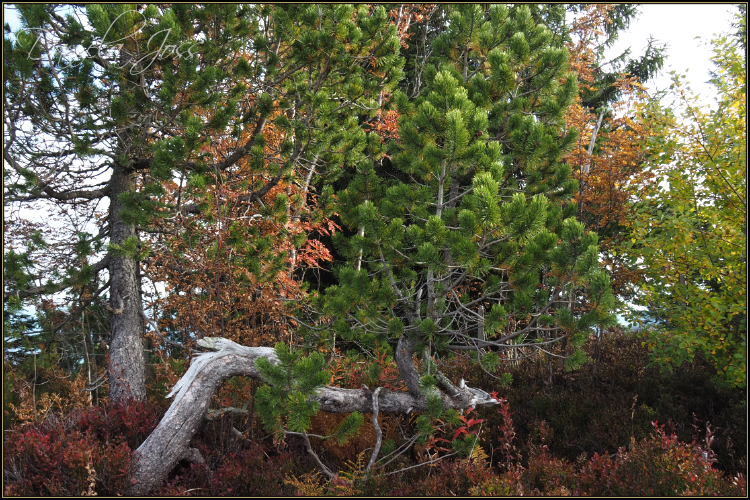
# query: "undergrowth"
[[614, 427]]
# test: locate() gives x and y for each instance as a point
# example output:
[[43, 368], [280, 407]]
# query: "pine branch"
[[51, 288]]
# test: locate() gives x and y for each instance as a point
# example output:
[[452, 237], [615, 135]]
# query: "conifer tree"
[[460, 233], [111, 102], [467, 239]]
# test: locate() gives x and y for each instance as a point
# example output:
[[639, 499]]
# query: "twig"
[[95, 384], [423, 463], [399, 451], [322, 466]]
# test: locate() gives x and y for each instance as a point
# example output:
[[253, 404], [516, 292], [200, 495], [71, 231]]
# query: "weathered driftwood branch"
[[169, 442], [378, 430]]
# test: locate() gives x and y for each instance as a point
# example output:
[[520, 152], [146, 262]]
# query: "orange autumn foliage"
[[229, 270], [52, 391], [406, 15], [234, 269], [610, 162]]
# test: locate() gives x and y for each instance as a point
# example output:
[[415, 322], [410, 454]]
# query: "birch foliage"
[[690, 230]]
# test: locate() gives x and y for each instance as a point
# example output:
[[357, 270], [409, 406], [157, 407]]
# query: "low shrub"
[[84, 453], [251, 471], [660, 465], [616, 396], [130, 423], [563, 437], [445, 478]]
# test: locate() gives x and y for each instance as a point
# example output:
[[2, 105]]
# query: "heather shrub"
[[616, 396], [507, 484], [558, 433], [447, 477], [455, 477], [549, 476], [660, 465], [130, 422], [84, 453], [253, 470]]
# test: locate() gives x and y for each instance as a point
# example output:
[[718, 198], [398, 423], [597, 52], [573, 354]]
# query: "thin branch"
[[315, 456], [423, 463], [52, 287], [378, 431]]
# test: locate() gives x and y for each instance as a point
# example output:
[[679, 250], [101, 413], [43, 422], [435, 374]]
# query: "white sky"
[[678, 25]]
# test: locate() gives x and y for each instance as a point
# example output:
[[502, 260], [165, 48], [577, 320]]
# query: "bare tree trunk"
[[586, 167], [169, 443], [127, 379]]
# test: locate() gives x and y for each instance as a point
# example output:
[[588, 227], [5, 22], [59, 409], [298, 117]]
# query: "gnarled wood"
[[169, 443]]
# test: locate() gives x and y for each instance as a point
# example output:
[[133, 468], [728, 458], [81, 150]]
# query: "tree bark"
[[169, 443], [127, 378]]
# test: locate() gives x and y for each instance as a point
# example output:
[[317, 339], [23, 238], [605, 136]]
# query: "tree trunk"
[[127, 365], [169, 443]]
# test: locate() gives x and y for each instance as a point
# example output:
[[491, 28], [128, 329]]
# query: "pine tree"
[[460, 233], [112, 108], [467, 240]]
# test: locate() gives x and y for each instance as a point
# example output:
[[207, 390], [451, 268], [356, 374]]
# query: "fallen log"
[[169, 442]]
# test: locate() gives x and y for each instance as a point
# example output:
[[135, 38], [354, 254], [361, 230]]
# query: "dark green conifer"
[[468, 242]]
